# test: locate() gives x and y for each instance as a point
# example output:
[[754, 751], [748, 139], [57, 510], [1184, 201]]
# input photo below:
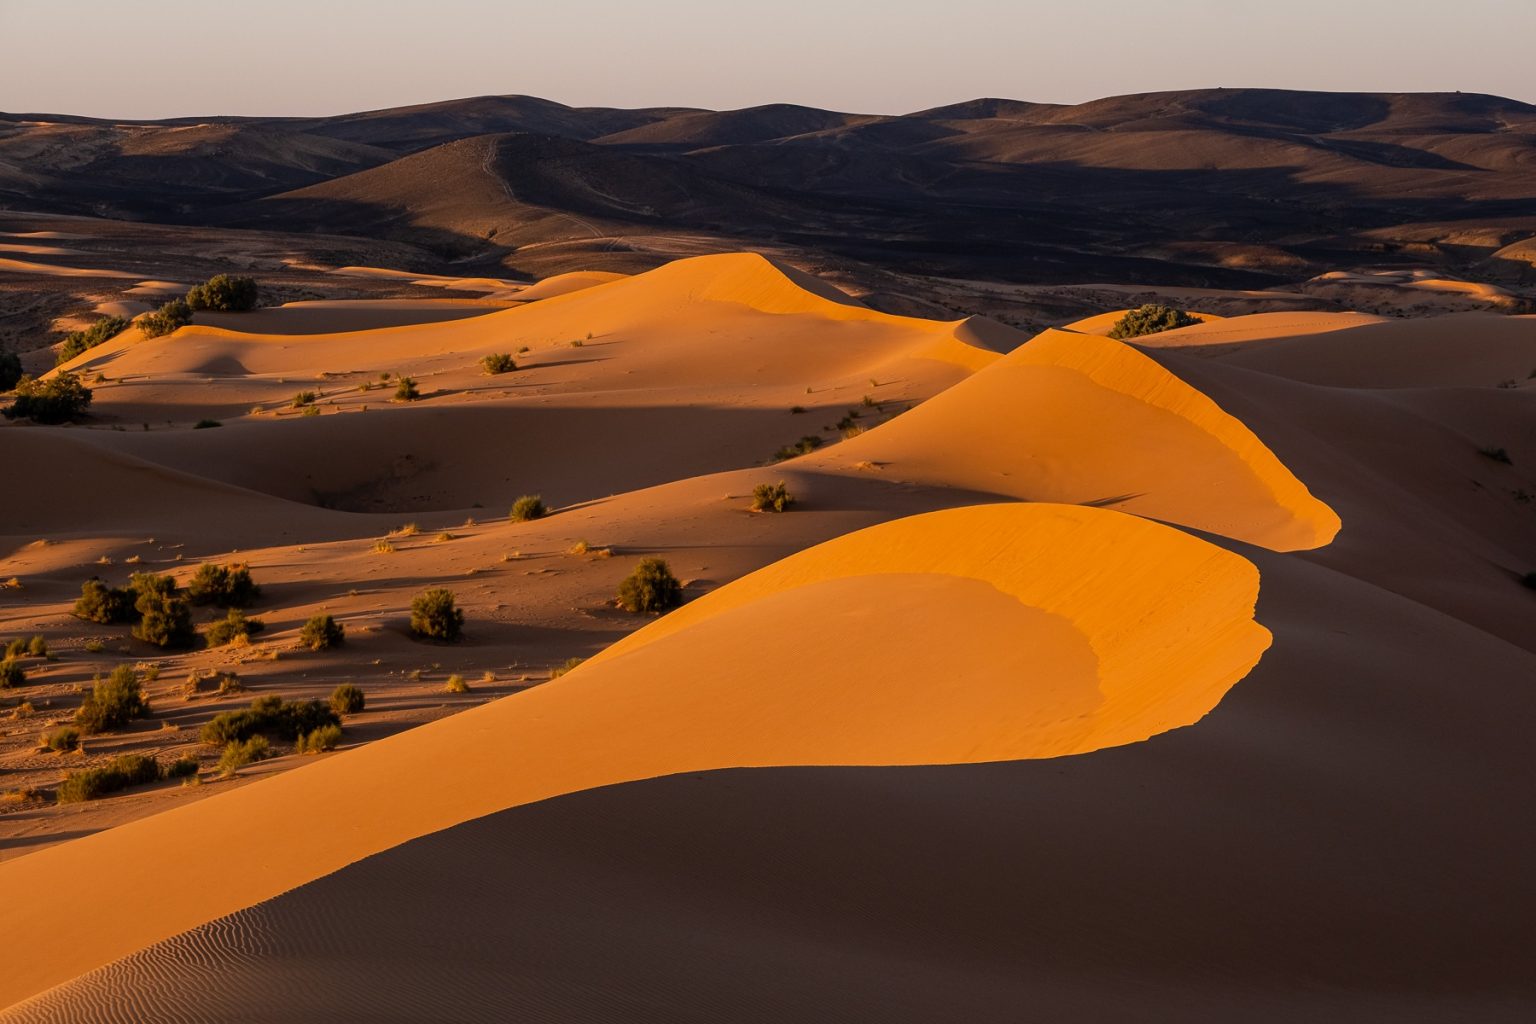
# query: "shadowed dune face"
[[1045, 630], [1083, 419]]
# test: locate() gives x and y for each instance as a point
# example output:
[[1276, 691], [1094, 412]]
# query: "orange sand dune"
[[1082, 629], [1078, 418], [1255, 327], [564, 284], [54, 270]]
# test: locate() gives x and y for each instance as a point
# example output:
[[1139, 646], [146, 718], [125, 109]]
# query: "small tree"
[[228, 586], [650, 588], [101, 603], [347, 699], [1152, 318], [112, 703], [165, 617], [322, 632], [771, 497], [169, 317], [434, 616], [61, 398], [10, 370], [529, 506], [224, 293], [79, 342]]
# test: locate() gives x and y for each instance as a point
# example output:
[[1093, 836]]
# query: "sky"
[[172, 58]]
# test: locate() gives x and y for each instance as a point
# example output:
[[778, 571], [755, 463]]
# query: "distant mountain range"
[[1229, 188]]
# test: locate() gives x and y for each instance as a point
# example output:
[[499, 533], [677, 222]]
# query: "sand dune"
[[563, 284], [1127, 628], [1077, 418]]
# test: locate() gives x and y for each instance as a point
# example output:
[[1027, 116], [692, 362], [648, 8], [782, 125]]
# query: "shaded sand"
[[1082, 629], [1255, 327], [53, 270], [1077, 418]]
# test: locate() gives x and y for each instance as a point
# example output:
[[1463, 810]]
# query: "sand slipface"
[[975, 634], [1078, 418]]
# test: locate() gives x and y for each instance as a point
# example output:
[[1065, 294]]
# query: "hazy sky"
[[161, 58]]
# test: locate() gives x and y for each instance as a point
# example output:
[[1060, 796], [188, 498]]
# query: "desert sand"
[[980, 723]]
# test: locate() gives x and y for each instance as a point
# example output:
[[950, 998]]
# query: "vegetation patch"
[[83, 341], [112, 703], [61, 398], [269, 715], [435, 616], [498, 363], [168, 318], [227, 586], [771, 497], [322, 632], [225, 293], [1151, 318], [529, 506], [117, 774], [651, 587]]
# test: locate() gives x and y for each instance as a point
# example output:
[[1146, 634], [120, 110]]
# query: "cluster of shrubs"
[[269, 716], [233, 628], [11, 672], [224, 293], [168, 318], [59, 399], [227, 586], [162, 613], [120, 773], [1151, 318], [79, 342]]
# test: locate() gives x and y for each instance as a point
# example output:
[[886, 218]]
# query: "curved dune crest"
[[1086, 420], [564, 284], [973, 634]]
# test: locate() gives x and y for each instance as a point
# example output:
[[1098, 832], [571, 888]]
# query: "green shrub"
[[37, 647], [566, 666], [228, 586], [59, 399], [224, 293], [320, 740], [79, 342], [65, 737], [269, 715], [231, 628], [182, 767], [497, 363], [238, 754], [304, 398], [119, 773], [405, 389], [650, 588], [347, 699], [101, 603], [10, 370], [434, 616], [169, 317], [16, 648], [807, 444], [11, 674], [112, 703], [165, 617], [1152, 318], [529, 506], [456, 684], [771, 497], [322, 632]]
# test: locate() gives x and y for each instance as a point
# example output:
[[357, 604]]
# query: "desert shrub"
[[456, 684], [102, 330], [529, 506], [231, 628], [182, 767], [1152, 318], [16, 648], [807, 444], [169, 317], [240, 753], [304, 398], [11, 674], [650, 588], [165, 617], [434, 616], [228, 586], [771, 497], [498, 362], [61, 398], [268, 716], [206, 424], [562, 669], [224, 293], [101, 603], [10, 370], [65, 737], [119, 773], [797, 410], [320, 740], [37, 647], [112, 703], [405, 389], [322, 632], [1496, 454], [94, 646], [347, 699]]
